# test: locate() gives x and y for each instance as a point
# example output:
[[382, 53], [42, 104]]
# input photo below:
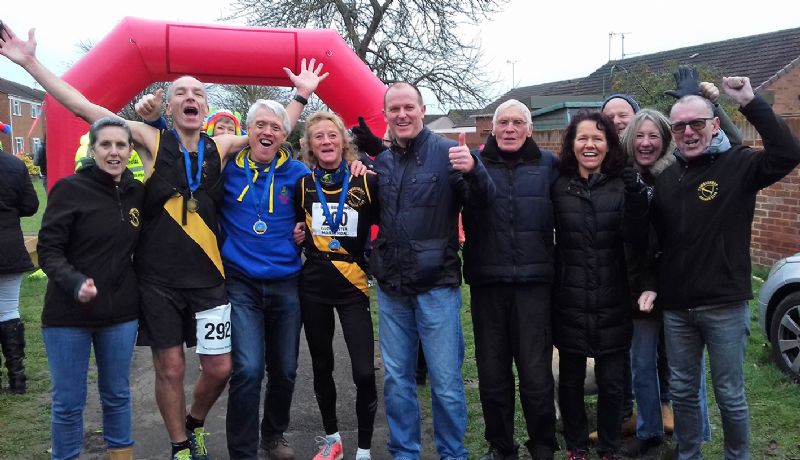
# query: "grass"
[[774, 400], [26, 418], [30, 225]]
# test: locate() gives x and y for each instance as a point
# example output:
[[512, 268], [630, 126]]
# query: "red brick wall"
[[776, 226], [21, 125], [5, 117], [787, 96]]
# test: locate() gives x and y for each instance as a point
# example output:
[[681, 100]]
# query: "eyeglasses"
[[696, 125], [514, 123]]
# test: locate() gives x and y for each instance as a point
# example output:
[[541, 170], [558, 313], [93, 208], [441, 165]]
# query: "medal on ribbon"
[[260, 227], [333, 221], [193, 181]]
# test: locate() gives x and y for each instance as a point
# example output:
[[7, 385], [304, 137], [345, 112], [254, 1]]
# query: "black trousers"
[[610, 374], [319, 324], [512, 325]]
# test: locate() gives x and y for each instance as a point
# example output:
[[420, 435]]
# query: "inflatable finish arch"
[[139, 52]]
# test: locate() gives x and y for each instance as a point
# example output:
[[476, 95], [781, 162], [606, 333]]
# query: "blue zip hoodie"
[[272, 255]]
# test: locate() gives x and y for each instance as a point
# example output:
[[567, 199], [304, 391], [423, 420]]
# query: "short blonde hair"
[[349, 152]]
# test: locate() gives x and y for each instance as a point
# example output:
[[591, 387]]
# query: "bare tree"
[[239, 98], [400, 40]]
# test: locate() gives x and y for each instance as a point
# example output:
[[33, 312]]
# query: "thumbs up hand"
[[460, 157], [149, 106]]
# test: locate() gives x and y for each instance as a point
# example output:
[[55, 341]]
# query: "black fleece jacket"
[[703, 210], [89, 230]]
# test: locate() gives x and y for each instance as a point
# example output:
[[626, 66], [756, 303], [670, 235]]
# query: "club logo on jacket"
[[284, 195], [356, 197], [708, 190], [133, 215]]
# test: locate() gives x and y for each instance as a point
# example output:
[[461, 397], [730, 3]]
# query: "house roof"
[[762, 57], [15, 89], [525, 93], [463, 117]]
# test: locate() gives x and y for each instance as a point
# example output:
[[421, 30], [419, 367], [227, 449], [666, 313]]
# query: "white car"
[[779, 313]]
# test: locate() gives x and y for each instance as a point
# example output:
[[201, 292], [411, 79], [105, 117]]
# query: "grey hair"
[[273, 107], [513, 103], [694, 97], [108, 122], [628, 139]]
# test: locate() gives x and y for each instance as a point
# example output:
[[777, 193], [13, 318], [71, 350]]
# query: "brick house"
[[20, 106], [771, 60]]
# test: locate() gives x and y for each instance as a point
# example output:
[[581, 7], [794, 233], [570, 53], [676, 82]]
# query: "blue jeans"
[[644, 370], [265, 335], [723, 331], [9, 296], [433, 319], [68, 356]]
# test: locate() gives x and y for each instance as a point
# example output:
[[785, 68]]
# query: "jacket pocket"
[[429, 255], [424, 189]]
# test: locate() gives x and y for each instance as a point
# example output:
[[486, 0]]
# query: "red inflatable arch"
[[139, 52]]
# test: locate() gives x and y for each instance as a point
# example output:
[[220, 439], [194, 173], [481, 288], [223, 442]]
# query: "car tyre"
[[785, 335]]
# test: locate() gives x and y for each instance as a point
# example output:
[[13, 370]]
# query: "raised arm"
[[305, 83], [23, 53]]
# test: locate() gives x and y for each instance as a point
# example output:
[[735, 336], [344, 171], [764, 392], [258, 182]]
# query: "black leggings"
[[319, 325]]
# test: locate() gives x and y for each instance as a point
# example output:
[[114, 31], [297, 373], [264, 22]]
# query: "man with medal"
[[178, 261], [423, 181], [262, 265]]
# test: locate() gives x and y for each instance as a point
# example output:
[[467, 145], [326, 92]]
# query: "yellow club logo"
[[133, 214], [708, 190]]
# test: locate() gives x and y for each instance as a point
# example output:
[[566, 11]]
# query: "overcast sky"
[[547, 41]]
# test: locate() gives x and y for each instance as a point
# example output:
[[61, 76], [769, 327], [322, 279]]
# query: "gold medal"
[[192, 204]]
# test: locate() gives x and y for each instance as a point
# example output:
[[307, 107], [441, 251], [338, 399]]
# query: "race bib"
[[320, 227], [214, 331]]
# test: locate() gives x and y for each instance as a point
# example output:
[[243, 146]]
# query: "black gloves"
[[687, 81], [365, 140], [631, 179]]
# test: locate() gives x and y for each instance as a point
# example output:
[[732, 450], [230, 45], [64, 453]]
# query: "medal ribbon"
[[259, 203], [333, 223], [193, 182]]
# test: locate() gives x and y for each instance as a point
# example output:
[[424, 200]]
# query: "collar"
[[284, 155], [529, 152], [413, 144], [91, 170]]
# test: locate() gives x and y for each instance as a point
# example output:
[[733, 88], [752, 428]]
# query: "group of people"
[[640, 224]]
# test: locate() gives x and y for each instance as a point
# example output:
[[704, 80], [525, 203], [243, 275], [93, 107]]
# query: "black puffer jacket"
[[89, 230], [511, 239], [17, 199], [420, 196], [594, 221]]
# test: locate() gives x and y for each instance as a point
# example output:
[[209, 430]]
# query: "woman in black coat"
[[89, 231], [17, 199], [600, 207]]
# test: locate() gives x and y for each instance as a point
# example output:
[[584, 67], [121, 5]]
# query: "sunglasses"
[[696, 125]]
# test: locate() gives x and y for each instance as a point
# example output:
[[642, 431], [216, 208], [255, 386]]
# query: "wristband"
[[300, 99]]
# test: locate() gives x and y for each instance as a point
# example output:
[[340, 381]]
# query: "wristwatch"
[[300, 99]]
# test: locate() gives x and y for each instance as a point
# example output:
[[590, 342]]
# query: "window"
[[19, 143], [16, 107], [36, 110], [36, 144]]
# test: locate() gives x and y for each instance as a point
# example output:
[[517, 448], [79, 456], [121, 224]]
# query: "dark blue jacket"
[[511, 240], [420, 197]]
